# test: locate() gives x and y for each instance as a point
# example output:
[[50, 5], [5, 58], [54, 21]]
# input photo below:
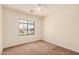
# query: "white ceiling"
[[45, 11]]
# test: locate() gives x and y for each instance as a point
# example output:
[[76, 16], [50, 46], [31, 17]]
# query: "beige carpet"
[[38, 48]]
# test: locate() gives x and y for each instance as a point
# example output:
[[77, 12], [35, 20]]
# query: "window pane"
[[30, 27], [30, 32], [30, 21], [26, 27], [23, 27], [23, 21]]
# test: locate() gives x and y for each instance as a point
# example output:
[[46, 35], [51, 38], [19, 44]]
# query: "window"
[[27, 27]]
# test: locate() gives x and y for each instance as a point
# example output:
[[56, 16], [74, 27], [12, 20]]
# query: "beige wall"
[[62, 28], [11, 28], [0, 29]]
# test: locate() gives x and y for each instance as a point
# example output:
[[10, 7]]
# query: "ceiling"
[[38, 9]]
